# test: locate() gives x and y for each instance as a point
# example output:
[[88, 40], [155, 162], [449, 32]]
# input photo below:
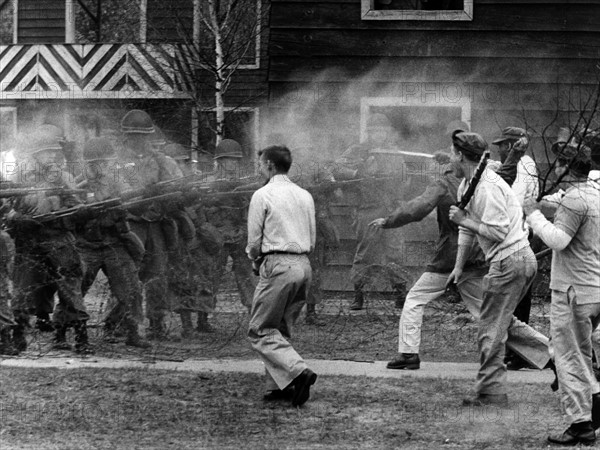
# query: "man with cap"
[[383, 178], [525, 185], [46, 255], [229, 214], [192, 273], [153, 226], [441, 194], [106, 242], [494, 217], [574, 237]]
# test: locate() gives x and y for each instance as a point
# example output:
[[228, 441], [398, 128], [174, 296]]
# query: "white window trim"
[[368, 12], [13, 109], [16, 21], [256, 125], [367, 102]]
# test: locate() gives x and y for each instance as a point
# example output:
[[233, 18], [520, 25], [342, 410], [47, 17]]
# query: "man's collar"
[[279, 178]]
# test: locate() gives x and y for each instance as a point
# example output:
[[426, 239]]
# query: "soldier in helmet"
[[7, 321], [229, 214], [106, 242], [192, 274], [376, 252], [153, 226], [46, 256]]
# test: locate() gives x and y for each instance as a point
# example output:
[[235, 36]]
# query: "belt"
[[277, 252]]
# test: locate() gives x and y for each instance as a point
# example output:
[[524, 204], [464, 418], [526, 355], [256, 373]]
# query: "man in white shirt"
[[524, 186], [281, 233], [494, 216]]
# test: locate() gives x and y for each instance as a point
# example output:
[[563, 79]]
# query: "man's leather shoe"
[[596, 411], [487, 400], [408, 361], [286, 394], [302, 384], [577, 433]]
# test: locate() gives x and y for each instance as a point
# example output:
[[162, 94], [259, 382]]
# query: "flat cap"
[[510, 133], [470, 142]]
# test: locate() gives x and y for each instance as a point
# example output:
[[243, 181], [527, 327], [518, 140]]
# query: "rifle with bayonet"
[[22, 192], [94, 210]]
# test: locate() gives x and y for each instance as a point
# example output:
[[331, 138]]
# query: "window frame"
[[228, 109], [13, 110], [368, 12], [367, 102]]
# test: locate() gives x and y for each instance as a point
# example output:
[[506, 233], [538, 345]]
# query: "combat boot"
[[60, 338], [203, 325], [156, 329], [133, 336], [19, 340], [311, 316], [359, 299], [187, 327], [82, 344], [43, 323], [6, 346]]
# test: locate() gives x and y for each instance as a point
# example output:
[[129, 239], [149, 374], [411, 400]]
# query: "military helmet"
[[228, 148], [45, 137], [177, 152], [98, 149], [378, 120], [137, 121]]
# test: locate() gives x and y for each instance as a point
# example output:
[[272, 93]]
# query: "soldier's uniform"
[[192, 272], [230, 215], [155, 229], [46, 256], [7, 321], [106, 242], [377, 253]]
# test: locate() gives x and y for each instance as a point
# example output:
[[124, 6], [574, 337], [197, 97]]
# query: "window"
[[7, 21], [8, 127], [419, 121], [106, 21], [241, 124], [417, 10]]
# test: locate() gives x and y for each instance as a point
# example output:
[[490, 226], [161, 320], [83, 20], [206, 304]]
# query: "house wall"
[[526, 63]]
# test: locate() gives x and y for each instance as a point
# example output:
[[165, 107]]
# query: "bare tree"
[[580, 123]]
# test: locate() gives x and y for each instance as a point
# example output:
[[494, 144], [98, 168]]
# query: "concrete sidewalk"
[[374, 369]]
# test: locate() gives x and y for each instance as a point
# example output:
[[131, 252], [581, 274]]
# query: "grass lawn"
[[150, 409]]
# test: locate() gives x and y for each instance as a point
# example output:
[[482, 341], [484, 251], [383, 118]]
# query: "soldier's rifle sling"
[[464, 201]]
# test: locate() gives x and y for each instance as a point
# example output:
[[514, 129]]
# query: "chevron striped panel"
[[88, 70], [18, 67]]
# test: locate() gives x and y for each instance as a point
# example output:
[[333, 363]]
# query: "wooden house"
[[490, 63], [82, 63]]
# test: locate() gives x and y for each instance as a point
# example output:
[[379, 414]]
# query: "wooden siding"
[[41, 22], [516, 61]]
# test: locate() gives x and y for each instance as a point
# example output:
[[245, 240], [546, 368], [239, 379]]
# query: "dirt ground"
[[134, 409], [449, 334]]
